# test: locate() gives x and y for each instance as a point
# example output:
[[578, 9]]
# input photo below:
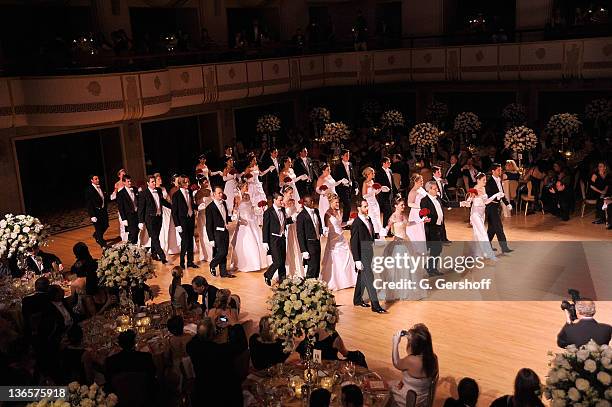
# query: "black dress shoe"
[[434, 273], [268, 281], [494, 249], [598, 221], [213, 272], [507, 250], [609, 227], [193, 266], [379, 310], [362, 304]]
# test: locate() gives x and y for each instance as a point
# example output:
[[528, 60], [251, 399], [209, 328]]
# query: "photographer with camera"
[[581, 327]]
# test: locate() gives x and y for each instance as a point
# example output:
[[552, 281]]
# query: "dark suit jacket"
[[47, 259], [339, 173], [95, 206], [214, 219], [432, 230], [306, 229], [56, 321], [491, 189], [582, 331], [300, 169], [271, 180], [125, 205], [180, 210], [382, 179], [146, 204], [271, 224], [359, 235], [35, 308], [130, 361], [452, 174]]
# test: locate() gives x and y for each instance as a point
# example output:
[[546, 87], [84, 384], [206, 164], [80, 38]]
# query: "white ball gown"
[[293, 261], [256, 192], [482, 245], [330, 183], [249, 253], [337, 266], [416, 227], [373, 209], [230, 190], [289, 174], [172, 243], [204, 245]]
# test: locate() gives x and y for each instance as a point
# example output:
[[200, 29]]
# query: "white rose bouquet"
[[268, 123], [580, 377], [514, 114], [335, 132], [18, 233], [520, 138], [300, 307], [424, 135], [599, 109], [82, 396], [564, 125], [436, 111], [125, 265], [320, 115], [392, 118], [467, 123]]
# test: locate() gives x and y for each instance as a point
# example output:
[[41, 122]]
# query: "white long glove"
[[509, 207], [266, 246], [124, 222], [212, 243], [179, 229], [385, 189], [305, 255], [94, 219], [356, 191], [500, 195], [141, 226], [216, 173], [359, 265]]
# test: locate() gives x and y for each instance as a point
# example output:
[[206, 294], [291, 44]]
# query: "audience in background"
[[266, 350], [598, 188], [351, 396], [320, 398], [527, 391], [468, 392]]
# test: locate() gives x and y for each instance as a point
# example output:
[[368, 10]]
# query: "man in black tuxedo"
[[41, 262], [441, 183], [398, 166], [309, 230], [362, 241], [303, 165], [453, 173], [217, 218], [493, 209], [150, 202], [585, 328], [274, 239], [199, 286], [385, 199], [183, 214], [271, 182], [97, 201], [127, 203], [35, 307], [345, 170], [434, 227]]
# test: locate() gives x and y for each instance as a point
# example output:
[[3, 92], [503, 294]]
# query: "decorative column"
[[133, 150], [8, 176]]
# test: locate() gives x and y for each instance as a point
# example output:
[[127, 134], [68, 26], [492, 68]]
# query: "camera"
[[223, 318], [570, 307], [404, 333]]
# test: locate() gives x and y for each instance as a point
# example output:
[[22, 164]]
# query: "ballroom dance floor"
[[486, 340]]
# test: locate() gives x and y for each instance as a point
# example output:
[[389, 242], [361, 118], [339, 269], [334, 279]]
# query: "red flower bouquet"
[[323, 188], [194, 187], [423, 212], [353, 215], [301, 201], [262, 204], [248, 175], [287, 180], [472, 191], [224, 197], [376, 185], [232, 171]]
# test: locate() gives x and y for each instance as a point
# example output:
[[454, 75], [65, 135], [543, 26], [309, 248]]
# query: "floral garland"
[[599, 109], [81, 395], [300, 307], [514, 114], [18, 233], [123, 265], [467, 123], [320, 115], [392, 118], [564, 124], [520, 138], [580, 376], [335, 132], [436, 111], [268, 123], [424, 135]]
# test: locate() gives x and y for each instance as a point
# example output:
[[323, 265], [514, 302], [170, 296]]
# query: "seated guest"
[[453, 172], [41, 262], [217, 382], [98, 302], [469, 172], [224, 306], [527, 391], [585, 328], [266, 350], [175, 349], [351, 396], [561, 200], [61, 318], [468, 394], [35, 307], [78, 292], [511, 171], [178, 293], [75, 360], [208, 292], [418, 367], [141, 294], [320, 398], [129, 360], [329, 345]]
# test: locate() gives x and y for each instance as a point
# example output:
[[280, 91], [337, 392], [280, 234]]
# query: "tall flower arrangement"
[[125, 265], [467, 124], [392, 118], [580, 377], [424, 136], [520, 139], [335, 132], [301, 307], [18, 233], [320, 115], [564, 126], [268, 123], [514, 114], [599, 110], [436, 112]]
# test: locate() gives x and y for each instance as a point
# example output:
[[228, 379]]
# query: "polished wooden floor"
[[488, 341]]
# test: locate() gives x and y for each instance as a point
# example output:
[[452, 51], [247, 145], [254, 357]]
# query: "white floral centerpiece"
[[467, 123], [599, 109], [335, 132], [392, 118], [82, 396], [424, 135], [18, 233], [436, 111], [514, 114], [580, 377], [125, 265], [564, 125], [520, 139], [268, 123], [301, 307], [320, 115]]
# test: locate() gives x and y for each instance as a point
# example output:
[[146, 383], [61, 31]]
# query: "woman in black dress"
[[527, 389], [266, 350], [598, 188], [330, 345]]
